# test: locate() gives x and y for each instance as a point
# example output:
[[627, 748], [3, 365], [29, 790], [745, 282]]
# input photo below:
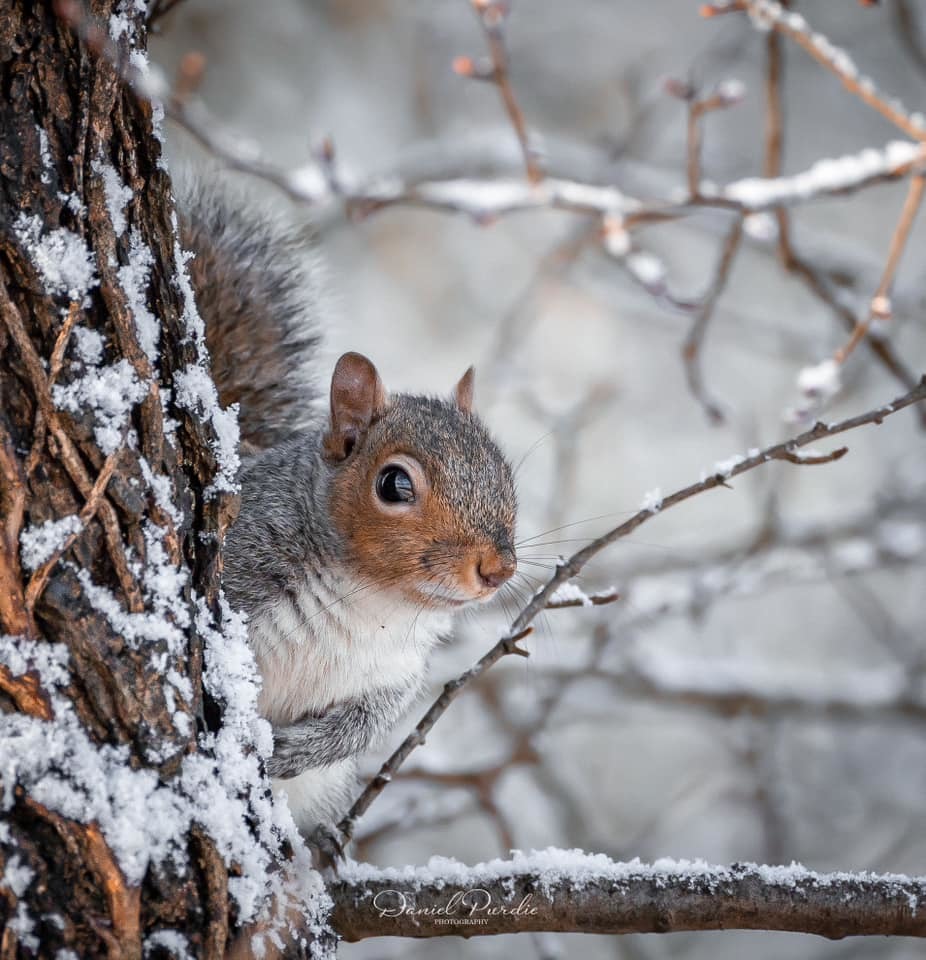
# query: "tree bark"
[[67, 123]]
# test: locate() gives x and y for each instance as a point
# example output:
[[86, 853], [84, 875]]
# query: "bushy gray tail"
[[259, 289]]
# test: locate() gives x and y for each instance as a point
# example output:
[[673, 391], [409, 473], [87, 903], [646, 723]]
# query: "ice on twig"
[[652, 500], [820, 381]]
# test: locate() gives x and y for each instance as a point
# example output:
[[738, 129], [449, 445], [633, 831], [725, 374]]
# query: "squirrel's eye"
[[394, 485]]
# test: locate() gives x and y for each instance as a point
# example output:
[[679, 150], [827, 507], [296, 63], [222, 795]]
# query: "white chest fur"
[[328, 641]]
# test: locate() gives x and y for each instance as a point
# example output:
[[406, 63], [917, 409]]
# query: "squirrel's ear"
[[463, 392], [357, 396]]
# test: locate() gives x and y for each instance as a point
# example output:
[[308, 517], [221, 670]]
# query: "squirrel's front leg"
[[348, 728]]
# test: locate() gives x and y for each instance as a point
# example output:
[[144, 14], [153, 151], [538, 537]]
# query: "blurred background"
[[757, 692]]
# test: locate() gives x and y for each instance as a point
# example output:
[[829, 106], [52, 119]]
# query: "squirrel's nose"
[[495, 568]]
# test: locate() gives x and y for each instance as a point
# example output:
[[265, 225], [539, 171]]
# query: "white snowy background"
[[831, 638]]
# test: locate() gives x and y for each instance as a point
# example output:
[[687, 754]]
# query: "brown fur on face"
[[462, 520]]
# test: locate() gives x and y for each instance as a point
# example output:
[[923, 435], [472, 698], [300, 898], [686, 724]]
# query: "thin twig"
[[691, 349], [39, 578], [493, 15], [880, 308], [796, 28], [67, 451]]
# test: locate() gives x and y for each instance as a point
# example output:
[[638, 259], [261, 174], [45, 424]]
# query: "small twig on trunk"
[[40, 577]]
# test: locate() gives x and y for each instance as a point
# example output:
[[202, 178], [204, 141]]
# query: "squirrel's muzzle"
[[494, 567]]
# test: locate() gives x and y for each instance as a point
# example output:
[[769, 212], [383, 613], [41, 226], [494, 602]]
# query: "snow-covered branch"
[[570, 891]]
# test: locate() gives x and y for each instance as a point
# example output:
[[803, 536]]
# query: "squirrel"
[[361, 528]]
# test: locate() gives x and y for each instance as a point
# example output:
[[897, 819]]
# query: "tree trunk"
[[102, 665]]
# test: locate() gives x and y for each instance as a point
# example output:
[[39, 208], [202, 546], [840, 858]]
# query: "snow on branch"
[[826, 177], [571, 891]]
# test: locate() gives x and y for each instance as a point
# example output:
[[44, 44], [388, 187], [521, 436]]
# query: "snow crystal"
[[88, 344], [652, 500], [45, 153], [134, 278], [173, 941], [483, 198], [731, 91], [825, 176], [616, 238], [821, 381], [646, 268], [121, 23], [479, 196], [22, 926], [163, 584], [116, 192], [725, 468], [161, 489], [308, 182], [17, 876], [61, 257], [570, 593], [38, 543], [195, 390], [592, 195], [760, 226], [109, 393]]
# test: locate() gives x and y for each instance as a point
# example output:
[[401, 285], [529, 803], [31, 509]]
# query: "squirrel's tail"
[[259, 288]]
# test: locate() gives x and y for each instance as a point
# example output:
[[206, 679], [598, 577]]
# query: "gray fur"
[[282, 534], [345, 731], [260, 289]]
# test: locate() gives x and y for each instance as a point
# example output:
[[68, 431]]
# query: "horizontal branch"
[[568, 891]]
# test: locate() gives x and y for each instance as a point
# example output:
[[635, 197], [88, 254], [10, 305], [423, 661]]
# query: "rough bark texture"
[[63, 111], [742, 897]]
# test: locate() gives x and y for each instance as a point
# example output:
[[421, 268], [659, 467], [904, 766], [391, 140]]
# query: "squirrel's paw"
[[327, 847]]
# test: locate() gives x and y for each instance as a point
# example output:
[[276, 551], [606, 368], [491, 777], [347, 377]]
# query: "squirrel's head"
[[420, 492]]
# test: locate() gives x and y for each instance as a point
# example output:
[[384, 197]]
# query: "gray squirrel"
[[360, 530]]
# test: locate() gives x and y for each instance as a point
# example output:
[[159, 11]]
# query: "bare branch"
[[493, 15], [880, 308], [691, 350], [837, 61]]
